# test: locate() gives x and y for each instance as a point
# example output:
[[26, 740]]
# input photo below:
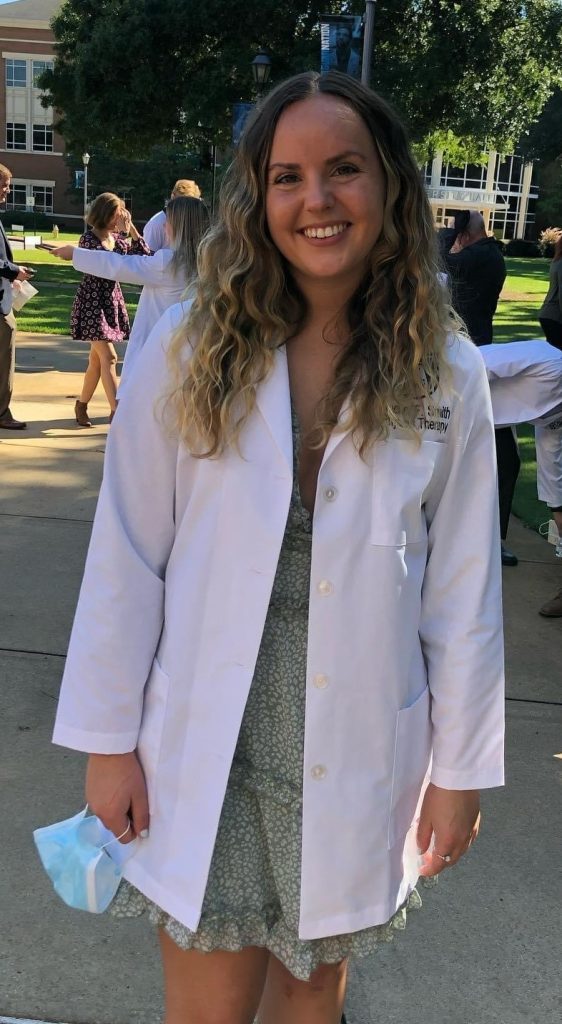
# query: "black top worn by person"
[[477, 274]]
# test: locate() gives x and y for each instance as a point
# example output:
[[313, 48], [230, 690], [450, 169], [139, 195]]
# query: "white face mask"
[[84, 860]]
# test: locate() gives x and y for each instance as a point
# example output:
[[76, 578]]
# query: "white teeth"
[[327, 232]]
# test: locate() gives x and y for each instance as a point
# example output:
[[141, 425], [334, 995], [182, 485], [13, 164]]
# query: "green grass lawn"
[[516, 319], [49, 313]]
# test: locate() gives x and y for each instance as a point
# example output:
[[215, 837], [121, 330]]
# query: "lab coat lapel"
[[274, 402], [337, 435]]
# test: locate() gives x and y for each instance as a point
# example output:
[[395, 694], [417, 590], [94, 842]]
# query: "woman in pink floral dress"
[[99, 314]]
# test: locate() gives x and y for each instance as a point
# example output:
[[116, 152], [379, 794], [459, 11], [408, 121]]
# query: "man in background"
[[154, 230], [9, 271], [477, 270], [345, 55], [477, 273]]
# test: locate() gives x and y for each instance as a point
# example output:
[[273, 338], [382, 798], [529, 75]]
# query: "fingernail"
[[144, 833]]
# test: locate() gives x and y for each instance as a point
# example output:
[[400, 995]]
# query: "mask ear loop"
[[116, 838]]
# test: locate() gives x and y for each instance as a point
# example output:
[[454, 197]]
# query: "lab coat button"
[[320, 681], [330, 493], [319, 772], [325, 588]]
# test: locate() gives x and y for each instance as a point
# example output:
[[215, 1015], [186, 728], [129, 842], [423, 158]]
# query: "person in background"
[[165, 274], [154, 232], [9, 271], [526, 387], [477, 272], [550, 313], [99, 314], [291, 608]]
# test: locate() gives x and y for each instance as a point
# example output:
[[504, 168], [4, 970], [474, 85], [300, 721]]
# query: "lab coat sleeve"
[[461, 620], [120, 610], [153, 270]]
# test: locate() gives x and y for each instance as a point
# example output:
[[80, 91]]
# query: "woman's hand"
[[64, 252], [123, 223], [452, 817], [116, 792]]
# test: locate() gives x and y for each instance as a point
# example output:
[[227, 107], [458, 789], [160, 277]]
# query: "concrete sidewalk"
[[485, 949]]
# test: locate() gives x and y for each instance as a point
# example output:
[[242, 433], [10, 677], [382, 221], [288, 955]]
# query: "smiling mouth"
[[328, 231]]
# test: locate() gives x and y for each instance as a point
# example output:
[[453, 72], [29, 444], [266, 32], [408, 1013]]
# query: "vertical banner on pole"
[[240, 114], [341, 38]]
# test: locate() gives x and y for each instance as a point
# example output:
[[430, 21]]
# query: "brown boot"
[[552, 609], [81, 413]]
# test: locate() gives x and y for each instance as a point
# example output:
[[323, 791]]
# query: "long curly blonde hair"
[[247, 303]]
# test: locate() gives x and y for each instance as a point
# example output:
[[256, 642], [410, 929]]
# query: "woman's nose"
[[319, 195]]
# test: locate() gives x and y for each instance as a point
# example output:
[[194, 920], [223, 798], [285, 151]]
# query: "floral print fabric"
[[253, 892], [99, 312]]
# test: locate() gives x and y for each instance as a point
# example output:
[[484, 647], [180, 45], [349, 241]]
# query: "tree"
[[543, 141], [131, 73]]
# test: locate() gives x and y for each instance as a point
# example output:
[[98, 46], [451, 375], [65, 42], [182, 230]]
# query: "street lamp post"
[[261, 70], [85, 161], [368, 42]]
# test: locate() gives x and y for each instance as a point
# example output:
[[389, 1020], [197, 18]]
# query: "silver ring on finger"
[[445, 857]]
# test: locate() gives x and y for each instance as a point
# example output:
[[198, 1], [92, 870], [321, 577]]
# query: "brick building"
[[28, 145]]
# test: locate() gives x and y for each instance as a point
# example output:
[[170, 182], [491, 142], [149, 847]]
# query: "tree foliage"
[[544, 139], [130, 73]]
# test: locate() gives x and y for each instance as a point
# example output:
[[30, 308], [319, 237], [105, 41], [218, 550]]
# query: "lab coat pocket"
[[152, 726], [402, 471], [412, 752]]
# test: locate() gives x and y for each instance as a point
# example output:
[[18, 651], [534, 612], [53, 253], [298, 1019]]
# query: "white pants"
[[548, 443]]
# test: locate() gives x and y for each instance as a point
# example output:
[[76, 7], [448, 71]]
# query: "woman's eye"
[[346, 169], [285, 179]]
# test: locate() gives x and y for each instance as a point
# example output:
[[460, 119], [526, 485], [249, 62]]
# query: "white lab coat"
[[526, 385], [162, 288], [404, 624]]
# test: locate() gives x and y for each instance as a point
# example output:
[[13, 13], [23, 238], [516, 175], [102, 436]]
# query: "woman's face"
[[325, 191]]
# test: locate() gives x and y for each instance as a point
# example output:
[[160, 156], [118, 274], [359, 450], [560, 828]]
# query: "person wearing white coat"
[[401, 682], [154, 231], [164, 275], [526, 385]]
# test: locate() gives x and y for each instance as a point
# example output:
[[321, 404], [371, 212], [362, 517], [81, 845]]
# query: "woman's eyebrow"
[[331, 160]]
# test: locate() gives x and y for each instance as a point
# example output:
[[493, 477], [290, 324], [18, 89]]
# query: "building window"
[[16, 73], [17, 199], [43, 198], [16, 135], [42, 138], [39, 66]]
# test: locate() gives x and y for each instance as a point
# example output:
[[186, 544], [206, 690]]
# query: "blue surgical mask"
[[84, 860]]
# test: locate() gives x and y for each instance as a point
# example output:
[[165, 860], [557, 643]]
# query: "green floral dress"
[[253, 891]]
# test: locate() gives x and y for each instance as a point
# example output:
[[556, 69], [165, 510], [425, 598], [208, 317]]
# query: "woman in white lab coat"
[[286, 662], [165, 275]]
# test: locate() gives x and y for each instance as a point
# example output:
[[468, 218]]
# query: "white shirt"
[[404, 627], [154, 232]]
